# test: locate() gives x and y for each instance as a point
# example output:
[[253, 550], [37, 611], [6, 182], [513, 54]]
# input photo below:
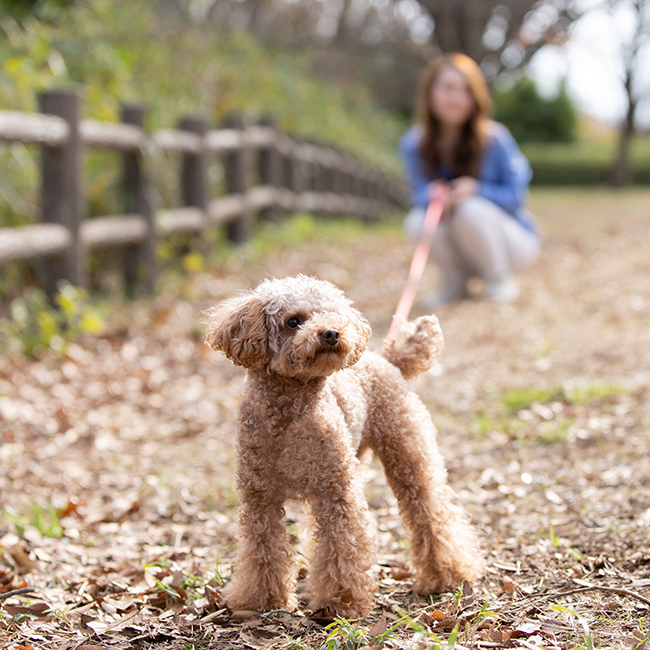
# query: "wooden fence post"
[[194, 169], [62, 199], [195, 181], [270, 169], [236, 176], [297, 178], [322, 178], [372, 188], [357, 183], [139, 260], [362, 185], [336, 179]]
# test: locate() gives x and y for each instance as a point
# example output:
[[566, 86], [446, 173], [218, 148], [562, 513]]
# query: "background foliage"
[[179, 63], [128, 51], [586, 162], [534, 118]]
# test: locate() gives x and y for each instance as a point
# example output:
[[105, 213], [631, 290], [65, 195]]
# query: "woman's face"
[[451, 99]]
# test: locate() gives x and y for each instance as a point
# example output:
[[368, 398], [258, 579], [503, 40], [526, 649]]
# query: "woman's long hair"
[[467, 156]]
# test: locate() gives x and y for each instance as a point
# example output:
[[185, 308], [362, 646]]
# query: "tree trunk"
[[622, 172]]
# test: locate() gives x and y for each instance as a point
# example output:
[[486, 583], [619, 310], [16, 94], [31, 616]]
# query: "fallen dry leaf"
[[243, 615], [22, 560], [38, 610], [400, 574], [526, 629], [507, 585], [379, 627], [345, 595]]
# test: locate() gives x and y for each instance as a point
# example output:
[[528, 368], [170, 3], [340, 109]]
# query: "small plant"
[[423, 632], [291, 643], [219, 574], [161, 563], [485, 425], [589, 641], [168, 590], [641, 636], [571, 392], [193, 262], [584, 393], [299, 229], [523, 398], [484, 613], [556, 430], [46, 519], [36, 325], [191, 581], [561, 542], [346, 635]]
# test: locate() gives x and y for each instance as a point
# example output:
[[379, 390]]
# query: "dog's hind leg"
[[264, 574], [444, 549]]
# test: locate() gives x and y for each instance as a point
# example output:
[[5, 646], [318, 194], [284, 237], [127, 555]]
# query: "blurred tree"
[[499, 34], [636, 91], [347, 41], [533, 118], [385, 44], [21, 9]]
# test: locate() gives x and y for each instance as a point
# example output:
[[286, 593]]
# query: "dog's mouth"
[[328, 351]]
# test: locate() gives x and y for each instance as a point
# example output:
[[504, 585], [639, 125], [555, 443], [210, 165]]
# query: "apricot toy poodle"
[[314, 400]]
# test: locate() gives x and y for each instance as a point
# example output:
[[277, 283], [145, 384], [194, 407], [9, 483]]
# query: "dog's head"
[[296, 327]]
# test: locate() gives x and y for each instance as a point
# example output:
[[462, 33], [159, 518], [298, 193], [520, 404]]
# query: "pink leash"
[[420, 256]]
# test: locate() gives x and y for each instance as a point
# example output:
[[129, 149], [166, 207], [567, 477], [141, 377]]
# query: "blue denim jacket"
[[503, 179]]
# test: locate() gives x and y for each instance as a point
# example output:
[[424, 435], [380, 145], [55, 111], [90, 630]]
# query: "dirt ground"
[[116, 489]]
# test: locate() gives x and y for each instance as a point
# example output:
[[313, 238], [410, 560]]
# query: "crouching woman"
[[486, 230]]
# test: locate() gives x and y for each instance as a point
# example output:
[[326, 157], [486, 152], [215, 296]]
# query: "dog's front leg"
[[345, 549], [264, 576]]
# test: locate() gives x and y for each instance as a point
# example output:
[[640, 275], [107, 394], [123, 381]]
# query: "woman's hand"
[[462, 188], [434, 185]]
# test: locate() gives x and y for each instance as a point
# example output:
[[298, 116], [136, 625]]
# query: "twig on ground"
[[16, 592], [612, 590], [82, 642]]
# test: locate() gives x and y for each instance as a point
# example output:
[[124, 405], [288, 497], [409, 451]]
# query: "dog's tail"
[[415, 346]]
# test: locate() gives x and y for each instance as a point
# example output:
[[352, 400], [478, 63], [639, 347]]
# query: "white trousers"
[[478, 239]]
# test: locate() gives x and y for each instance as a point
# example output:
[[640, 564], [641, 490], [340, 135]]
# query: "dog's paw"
[[345, 603], [259, 601], [437, 582]]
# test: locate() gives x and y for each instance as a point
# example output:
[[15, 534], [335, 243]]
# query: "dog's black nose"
[[331, 337]]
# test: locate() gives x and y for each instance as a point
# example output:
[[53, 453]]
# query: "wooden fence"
[[290, 175]]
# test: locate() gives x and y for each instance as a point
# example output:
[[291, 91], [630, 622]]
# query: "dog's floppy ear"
[[365, 331], [237, 327]]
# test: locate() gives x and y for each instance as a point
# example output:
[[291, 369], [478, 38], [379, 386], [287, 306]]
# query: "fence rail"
[[291, 175]]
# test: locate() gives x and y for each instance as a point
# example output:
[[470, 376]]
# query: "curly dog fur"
[[314, 400]]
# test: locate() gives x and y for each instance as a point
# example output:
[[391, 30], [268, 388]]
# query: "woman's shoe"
[[502, 290], [448, 292]]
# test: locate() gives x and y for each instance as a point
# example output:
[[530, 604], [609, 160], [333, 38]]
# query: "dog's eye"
[[294, 323]]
